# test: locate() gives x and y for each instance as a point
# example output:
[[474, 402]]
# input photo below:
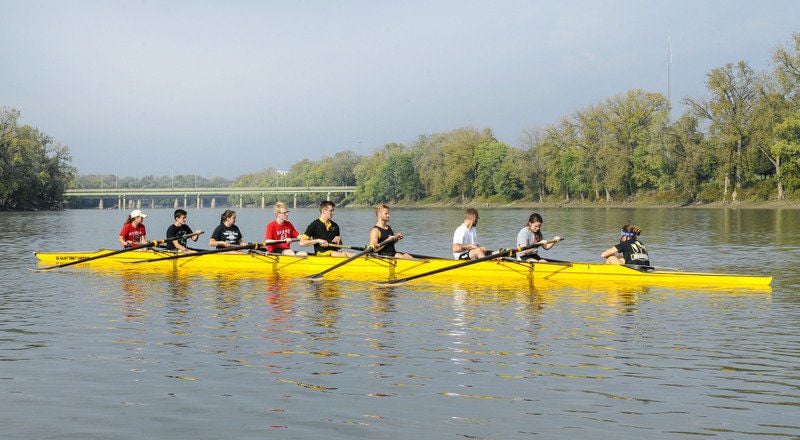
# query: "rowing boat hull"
[[381, 269]]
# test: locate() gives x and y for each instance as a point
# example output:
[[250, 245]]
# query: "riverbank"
[[770, 204]]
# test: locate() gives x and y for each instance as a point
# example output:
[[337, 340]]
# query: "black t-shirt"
[[177, 231], [318, 230], [228, 234], [634, 252]]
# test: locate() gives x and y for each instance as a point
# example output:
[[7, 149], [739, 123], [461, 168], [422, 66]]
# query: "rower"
[[226, 234], [629, 250], [382, 232], [531, 234], [282, 229], [465, 239], [180, 229], [133, 231], [324, 231]]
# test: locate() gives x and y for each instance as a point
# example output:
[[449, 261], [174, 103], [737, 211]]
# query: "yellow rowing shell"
[[373, 268]]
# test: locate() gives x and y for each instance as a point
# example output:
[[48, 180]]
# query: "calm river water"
[[87, 354]]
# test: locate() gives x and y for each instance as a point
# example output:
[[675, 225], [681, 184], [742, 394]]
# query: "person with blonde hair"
[[282, 229], [629, 250], [382, 232]]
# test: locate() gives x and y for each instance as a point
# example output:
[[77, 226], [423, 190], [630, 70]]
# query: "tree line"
[[740, 141]]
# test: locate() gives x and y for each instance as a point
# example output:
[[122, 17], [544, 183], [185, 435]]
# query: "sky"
[[219, 88]]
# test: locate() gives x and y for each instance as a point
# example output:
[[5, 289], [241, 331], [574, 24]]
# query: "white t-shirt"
[[464, 235]]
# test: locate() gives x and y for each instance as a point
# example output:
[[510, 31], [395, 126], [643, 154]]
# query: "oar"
[[367, 250], [212, 251], [359, 248], [500, 254], [121, 251]]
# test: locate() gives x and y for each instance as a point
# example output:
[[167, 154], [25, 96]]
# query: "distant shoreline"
[[772, 204]]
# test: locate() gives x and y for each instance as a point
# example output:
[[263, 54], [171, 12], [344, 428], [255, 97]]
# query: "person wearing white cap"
[[133, 231]]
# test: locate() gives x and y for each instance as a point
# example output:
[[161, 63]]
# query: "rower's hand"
[[337, 240], [199, 232], [128, 243], [288, 239], [556, 238], [542, 242], [399, 236], [483, 248], [322, 243]]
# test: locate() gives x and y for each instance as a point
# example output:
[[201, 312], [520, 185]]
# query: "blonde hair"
[[279, 206], [379, 207]]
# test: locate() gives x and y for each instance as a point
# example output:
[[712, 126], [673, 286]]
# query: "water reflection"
[[135, 294], [280, 298], [326, 298], [462, 359]]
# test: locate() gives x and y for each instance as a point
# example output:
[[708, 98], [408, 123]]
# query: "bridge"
[[132, 197]]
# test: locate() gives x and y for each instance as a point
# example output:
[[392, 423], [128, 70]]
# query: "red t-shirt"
[[280, 232], [135, 235]]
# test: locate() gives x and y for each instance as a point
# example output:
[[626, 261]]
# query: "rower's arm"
[[374, 236], [609, 252], [305, 240]]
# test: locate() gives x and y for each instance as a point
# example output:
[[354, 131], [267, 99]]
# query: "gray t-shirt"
[[525, 237]]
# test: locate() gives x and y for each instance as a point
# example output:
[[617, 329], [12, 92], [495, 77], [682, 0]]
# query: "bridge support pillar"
[[262, 201], [213, 202], [176, 203], [100, 205], [329, 196], [295, 202], [241, 201], [119, 202], [185, 202], [152, 204], [199, 204], [138, 203]]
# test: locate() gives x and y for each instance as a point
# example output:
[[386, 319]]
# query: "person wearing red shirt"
[[133, 232], [282, 229]]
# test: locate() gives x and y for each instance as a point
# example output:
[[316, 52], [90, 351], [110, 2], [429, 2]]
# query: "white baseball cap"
[[138, 213]]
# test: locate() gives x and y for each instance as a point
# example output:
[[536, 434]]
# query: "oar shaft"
[[367, 250], [359, 248], [499, 254]]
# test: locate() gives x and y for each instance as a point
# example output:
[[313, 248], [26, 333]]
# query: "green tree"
[[35, 170], [730, 113], [692, 163], [488, 158]]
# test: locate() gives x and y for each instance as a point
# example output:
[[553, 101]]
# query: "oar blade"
[[390, 283]]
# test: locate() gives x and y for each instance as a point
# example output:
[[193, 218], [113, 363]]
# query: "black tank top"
[[388, 250]]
